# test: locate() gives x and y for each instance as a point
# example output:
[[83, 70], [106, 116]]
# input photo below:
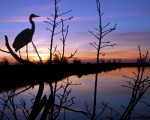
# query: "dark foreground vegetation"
[[14, 76], [21, 75], [27, 76]]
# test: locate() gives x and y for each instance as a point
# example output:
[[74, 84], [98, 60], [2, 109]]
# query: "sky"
[[131, 16]]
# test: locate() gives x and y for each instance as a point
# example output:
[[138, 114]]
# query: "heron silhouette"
[[24, 37]]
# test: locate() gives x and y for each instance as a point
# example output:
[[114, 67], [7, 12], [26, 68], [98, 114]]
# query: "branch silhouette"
[[98, 46], [20, 60], [138, 86], [54, 22]]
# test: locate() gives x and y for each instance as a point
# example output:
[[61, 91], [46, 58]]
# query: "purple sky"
[[131, 16]]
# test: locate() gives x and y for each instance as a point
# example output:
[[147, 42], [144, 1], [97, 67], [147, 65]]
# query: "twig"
[[37, 52]]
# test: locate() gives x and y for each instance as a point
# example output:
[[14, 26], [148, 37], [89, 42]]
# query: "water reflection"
[[68, 99]]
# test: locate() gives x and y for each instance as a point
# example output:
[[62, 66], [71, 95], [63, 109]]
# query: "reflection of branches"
[[106, 105], [92, 114], [139, 87], [22, 91], [38, 103], [25, 110], [54, 108], [64, 97], [98, 46], [59, 99], [8, 103]]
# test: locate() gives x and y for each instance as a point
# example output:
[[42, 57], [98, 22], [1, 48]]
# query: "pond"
[[111, 100]]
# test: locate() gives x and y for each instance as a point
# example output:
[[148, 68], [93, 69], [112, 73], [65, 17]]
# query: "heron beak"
[[36, 16]]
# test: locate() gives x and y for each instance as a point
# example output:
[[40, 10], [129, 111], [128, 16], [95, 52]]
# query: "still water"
[[109, 91]]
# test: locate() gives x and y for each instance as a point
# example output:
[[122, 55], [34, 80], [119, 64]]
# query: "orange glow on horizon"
[[127, 54]]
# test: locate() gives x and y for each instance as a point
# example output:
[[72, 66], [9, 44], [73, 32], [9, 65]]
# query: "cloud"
[[21, 19], [40, 8], [138, 13], [133, 37], [43, 18], [130, 14], [79, 18]]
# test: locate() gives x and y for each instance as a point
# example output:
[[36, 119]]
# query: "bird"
[[24, 37]]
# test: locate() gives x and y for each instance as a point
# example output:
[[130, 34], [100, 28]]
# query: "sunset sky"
[[131, 16]]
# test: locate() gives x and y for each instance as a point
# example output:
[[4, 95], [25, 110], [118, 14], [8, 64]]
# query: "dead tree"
[[60, 58], [102, 31], [54, 23], [63, 39]]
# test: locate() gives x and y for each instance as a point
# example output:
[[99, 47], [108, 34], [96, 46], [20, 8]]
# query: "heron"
[[25, 37]]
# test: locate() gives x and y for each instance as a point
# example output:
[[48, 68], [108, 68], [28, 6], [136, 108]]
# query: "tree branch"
[[14, 55], [4, 51]]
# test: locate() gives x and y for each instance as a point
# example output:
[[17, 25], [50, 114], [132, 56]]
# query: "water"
[[109, 90]]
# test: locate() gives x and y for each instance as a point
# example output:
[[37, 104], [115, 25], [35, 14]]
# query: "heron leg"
[[27, 52], [19, 53]]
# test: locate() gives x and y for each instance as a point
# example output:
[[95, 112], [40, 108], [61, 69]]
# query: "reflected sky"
[[109, 90]]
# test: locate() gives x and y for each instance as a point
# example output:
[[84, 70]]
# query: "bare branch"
[[72, 55], [102, 14], [103, 54], [22, 91], [94, 35], [106, 105], [127, 86], [93, 45], [64, 20], [56, 51], [65, 13], [52, 15], [60, 32], [4, 51], [48, 23], [50, 19], [129, 78], [134, 74], [97, 29], [73, 110], [37, 53], [48, 29], [145, 103], [106, 42], [140, 52], [108, 46], [108, 31], [106, 25], [14, 55]]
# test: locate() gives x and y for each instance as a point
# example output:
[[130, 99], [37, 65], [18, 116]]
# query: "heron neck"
[[33, 25]]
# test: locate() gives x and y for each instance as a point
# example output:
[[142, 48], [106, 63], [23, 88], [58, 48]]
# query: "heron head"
[[33, 16]]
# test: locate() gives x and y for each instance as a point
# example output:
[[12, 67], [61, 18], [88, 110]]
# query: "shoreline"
[[17, 76]]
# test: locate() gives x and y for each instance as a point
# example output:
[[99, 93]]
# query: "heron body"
[[24, 37]]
